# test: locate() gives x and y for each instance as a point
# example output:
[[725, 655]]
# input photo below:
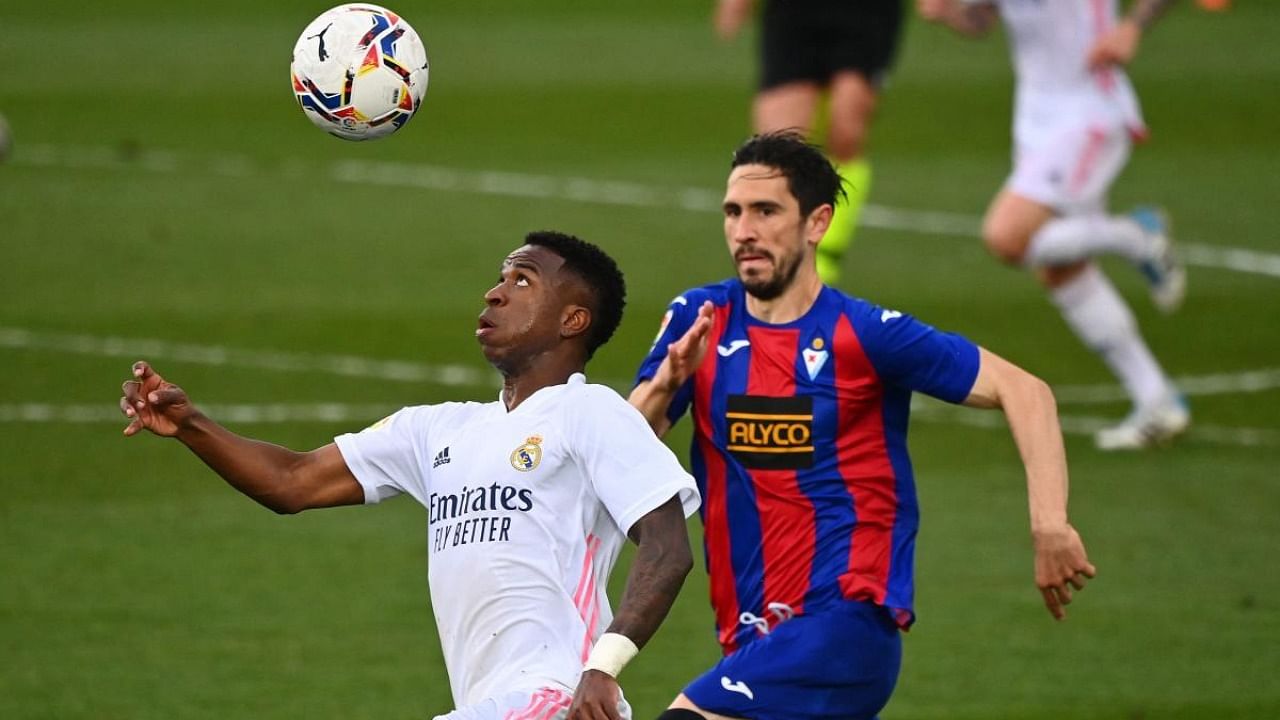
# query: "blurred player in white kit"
[[1075, 119]]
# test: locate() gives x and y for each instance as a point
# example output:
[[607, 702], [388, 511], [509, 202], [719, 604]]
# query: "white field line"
[[330, 412], [86, 413], [459, 375], [456, 375], [572, 189], [934, 411], [1250, 381], [341, 365]]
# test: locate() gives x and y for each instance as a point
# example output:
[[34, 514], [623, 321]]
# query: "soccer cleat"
[[1162, 269], [1156, 424]]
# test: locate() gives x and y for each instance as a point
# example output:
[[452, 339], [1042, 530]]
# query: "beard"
[[784, 274]]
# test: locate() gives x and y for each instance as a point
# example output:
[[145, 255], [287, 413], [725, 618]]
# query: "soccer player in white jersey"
[[528, 498], [1075, 118]]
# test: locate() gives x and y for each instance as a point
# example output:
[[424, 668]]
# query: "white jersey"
[[527, 511], [1050, 42]]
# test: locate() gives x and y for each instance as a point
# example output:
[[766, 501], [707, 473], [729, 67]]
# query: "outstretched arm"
[[278, 478], [653, 397], [662, 561], [1119, 44], [1061, 562], [973, 19]]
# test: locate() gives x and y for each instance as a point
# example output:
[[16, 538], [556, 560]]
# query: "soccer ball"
[[359, 71]]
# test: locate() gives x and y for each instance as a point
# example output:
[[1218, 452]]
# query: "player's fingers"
[[142, 370], [133, 427], [699, 332], [131, 390], [1051, 602], [166, 396], [126, 408], [1064, 593]]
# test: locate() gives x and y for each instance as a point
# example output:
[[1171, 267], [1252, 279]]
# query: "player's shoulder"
[[451, 413], [589, 395], [718, 293], [861, 311], [595, 406]]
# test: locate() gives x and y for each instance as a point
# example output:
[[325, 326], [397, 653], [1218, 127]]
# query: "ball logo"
[[527, 456]]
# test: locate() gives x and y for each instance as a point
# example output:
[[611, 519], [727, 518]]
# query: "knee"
[[845, 139], [1059, 275], [1007, 243]]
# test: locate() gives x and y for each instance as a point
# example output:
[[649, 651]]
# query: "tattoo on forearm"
[[657, 573]]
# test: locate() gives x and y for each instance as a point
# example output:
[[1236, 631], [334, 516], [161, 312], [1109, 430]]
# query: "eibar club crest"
[[815, 356], [527, 456]]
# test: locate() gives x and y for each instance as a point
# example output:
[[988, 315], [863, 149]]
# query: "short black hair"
[[599, 272], [810, 176]]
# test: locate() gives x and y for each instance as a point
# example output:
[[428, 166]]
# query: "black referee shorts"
[[811, 40]]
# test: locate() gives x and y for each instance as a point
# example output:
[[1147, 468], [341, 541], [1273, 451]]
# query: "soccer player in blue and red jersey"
[[800, 397]]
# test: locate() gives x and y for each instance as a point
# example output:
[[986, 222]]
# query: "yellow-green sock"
[[857, 175]]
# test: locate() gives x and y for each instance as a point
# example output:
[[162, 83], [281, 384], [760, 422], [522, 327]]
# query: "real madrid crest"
[[527, 456]]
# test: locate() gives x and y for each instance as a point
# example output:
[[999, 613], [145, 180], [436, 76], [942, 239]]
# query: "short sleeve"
[[911, 354], [384, 457], [630, 469], [675, 323]]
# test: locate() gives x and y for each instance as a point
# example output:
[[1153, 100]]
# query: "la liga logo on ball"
[[359, 71]]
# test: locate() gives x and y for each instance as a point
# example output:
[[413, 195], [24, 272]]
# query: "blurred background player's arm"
[[278, 478], [731, 15], [974, 19], [1118, 45], [1061, 564]]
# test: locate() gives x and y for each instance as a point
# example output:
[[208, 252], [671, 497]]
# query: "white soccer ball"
[[359, 71]]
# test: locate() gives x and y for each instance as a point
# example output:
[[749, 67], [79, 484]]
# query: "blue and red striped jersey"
[[800, 450]]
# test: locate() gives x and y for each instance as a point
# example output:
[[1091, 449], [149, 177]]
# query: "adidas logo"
[[442, 458]]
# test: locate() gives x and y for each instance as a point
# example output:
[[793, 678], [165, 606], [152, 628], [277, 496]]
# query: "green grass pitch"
[[166, 198]]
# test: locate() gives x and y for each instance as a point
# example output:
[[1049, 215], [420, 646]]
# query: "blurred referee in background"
[[844, 48]]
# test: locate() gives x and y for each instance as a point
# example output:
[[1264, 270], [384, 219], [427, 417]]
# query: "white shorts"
[[549, 703], [1070, 168]]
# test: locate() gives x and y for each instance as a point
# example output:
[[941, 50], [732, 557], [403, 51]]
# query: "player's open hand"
[[154, 404], [685, 354], [596, 698], [1116, 47], [1061, 567]]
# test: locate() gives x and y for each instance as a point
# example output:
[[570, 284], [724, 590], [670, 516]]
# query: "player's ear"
[[574, 320], [815, 226]]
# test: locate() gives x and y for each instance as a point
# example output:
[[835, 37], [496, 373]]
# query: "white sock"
[[1073, 238], [1102, 320]]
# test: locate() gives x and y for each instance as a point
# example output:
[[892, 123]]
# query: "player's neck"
[[791, 305], [520, 386]]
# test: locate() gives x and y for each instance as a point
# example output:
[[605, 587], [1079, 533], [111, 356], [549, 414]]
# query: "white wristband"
[[610, 653]]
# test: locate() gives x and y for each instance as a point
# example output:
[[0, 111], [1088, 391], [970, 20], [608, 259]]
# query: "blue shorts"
[[841, 662]]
